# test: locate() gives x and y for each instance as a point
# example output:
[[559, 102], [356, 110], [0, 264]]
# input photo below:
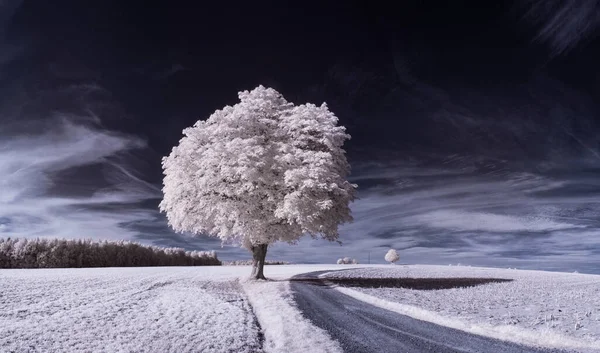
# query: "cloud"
[[502, 177], [505, 177], [442, 216], [453, 174], [488, 222], [62, 173], [563, 24], [70, 180]]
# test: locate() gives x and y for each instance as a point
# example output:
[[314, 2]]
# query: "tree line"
[[55, 253], [347, 261]]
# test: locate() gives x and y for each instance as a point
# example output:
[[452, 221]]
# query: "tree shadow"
[[409, 283]]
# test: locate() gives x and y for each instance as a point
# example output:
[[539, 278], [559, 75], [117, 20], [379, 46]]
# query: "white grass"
[[550, 309], [183, 309], [207, 309], [156, 309], [286, 330]]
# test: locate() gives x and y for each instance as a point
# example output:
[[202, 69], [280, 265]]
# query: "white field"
[[208, 309], [549, 309], [152, 309]]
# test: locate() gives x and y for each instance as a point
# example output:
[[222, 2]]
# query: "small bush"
[[391, 256]]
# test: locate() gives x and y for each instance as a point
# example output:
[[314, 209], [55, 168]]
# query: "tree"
[[347, 261], [259, 172], [392, 256], [41, 253]]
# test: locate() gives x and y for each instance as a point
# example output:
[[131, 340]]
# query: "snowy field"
[[543, 308], [152, 309], [209, 309]]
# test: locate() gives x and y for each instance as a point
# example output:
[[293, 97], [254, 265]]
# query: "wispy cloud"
[[62, 173], [510, 221], [70, 180], [488, 222], [505, 178], [446, 175], [563, 24]]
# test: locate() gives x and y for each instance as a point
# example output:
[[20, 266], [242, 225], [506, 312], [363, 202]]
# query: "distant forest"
[[56, 253]]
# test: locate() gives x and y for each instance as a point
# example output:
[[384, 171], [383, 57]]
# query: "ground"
[[552, 309], [209, 309], [125, 310], [148, 309]]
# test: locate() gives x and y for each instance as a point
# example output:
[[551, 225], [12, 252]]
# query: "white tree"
[[347, 261], [392, 256], [258, 172]]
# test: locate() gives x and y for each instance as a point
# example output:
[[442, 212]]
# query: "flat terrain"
[[125, 309], [213, 309], [363, 328], [152, 309], [550, 308]]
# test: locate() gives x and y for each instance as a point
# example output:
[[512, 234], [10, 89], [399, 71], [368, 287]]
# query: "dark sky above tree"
[[475, 124]]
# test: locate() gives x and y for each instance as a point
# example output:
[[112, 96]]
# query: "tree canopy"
[[392, 256], [261, 171]]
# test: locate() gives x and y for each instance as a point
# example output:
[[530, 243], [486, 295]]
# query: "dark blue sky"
[[475, 126]]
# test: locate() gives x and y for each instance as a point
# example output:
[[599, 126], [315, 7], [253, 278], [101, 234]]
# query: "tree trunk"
[[259, 252]]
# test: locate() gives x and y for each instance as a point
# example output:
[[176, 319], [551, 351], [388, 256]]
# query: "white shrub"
[[347, 261], [392, 256]]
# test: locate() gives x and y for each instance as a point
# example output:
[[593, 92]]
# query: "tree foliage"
[[392, 256], [44, 253], [258, 172]]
